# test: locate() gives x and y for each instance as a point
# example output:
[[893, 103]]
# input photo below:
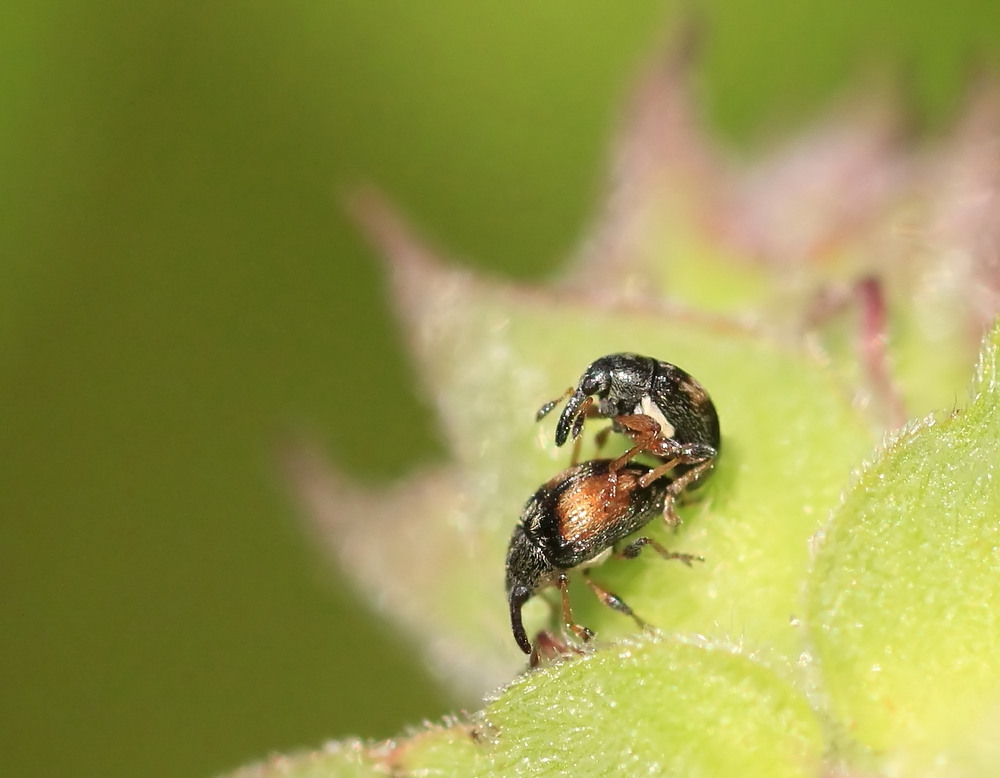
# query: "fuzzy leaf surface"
[[649, 707], [904, 595]]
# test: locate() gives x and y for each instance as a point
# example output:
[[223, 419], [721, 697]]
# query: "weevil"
[[572, 523], [663, 409]]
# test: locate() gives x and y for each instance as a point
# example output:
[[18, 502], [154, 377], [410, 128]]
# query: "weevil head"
[[526, 573], [595, 382]]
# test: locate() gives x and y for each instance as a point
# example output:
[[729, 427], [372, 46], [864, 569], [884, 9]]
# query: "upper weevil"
[[665, 411]]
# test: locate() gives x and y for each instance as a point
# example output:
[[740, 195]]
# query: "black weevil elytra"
[[665, 411], [573, 522]]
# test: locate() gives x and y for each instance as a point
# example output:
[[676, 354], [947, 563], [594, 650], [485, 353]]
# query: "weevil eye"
[[596, 382]]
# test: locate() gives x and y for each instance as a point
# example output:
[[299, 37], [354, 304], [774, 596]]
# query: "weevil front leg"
[[644, 431], [579, 630]]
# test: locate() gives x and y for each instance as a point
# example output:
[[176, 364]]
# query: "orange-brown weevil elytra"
[[573, 522]]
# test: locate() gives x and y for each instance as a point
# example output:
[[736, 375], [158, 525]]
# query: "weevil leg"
[[677, 487], [644, 431], [631, 551], [671, 454], [589, 409], [584, 412], [579, 630], [684, 480], [639, 426], [601, 438], [574, 457], [658, 471], [670, 515], [612, 600], [549, 647]]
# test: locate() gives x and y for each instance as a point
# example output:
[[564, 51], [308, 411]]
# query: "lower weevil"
[[573, 522]]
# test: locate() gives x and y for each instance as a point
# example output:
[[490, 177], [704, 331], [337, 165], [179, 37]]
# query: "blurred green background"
[[179, 289]]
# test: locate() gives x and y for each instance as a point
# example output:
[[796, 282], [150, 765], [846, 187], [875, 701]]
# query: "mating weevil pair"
[[574, 520]]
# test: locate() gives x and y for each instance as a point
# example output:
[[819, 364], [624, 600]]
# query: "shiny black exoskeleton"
[[630, 384], [665, 411], [573, 521]]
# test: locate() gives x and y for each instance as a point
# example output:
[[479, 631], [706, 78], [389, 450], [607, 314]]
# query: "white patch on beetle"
[[596, 560], [648, 407]]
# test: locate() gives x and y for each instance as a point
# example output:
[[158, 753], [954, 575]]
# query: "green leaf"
[[655, 708], [649, 707], [904, 595]]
